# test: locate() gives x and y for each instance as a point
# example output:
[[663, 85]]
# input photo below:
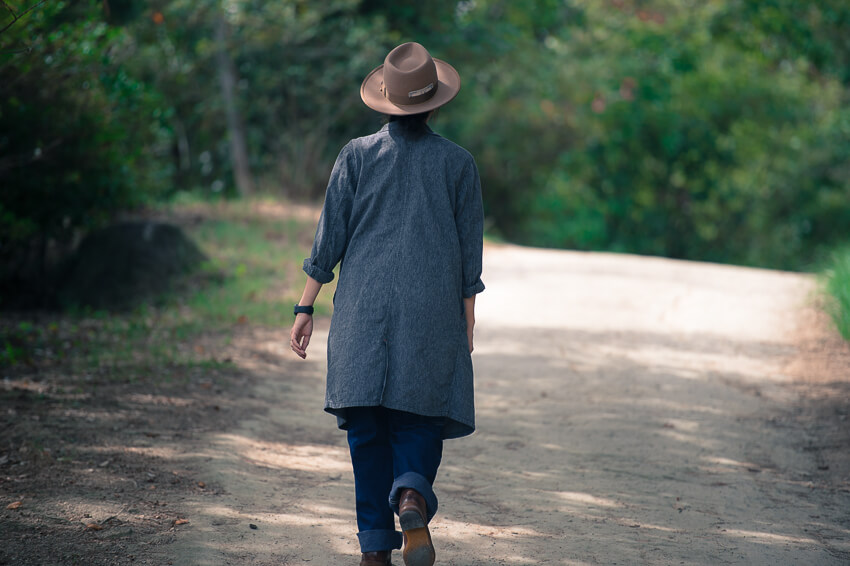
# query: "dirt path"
[[630, 411]]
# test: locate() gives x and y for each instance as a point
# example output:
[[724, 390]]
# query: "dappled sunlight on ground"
[[587, 500], [160, 399], [768, 538], [309, 458], [615, 431], [639, 411]]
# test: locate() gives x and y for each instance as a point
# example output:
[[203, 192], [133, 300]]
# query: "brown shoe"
[[380, 558], [413, 517]]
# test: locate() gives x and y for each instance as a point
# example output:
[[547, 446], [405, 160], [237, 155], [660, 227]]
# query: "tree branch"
[[16, 17]]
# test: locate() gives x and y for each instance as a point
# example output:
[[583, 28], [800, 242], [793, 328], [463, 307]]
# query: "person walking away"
[[403, 219]]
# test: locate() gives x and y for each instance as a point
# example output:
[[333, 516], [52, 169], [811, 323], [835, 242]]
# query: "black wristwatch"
[[299, 309]]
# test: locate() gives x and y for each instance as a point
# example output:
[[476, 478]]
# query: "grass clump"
[[838, 288]]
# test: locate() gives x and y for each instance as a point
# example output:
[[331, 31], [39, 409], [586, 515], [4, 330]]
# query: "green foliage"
[[298, 67], [715, 130], [64, 144], [785, 31], [838, 288], [73, 152], [669, 163], [13, 346], [304, 88], [651, 128]]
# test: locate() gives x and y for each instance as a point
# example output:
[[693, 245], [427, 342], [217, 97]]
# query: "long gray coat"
[[403, 217]]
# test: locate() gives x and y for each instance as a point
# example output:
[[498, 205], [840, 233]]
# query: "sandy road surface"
[[630, 411]]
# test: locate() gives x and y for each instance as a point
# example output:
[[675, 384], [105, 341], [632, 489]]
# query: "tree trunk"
[[235, 129]]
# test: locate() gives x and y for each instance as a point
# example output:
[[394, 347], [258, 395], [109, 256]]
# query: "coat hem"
[[453, 428]]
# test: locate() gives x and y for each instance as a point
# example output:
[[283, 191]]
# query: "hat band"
[[413, 97]]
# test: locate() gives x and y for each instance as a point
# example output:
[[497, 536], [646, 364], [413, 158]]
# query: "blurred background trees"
[[715, 130]]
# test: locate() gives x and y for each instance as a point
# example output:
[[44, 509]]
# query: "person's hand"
[[469, 337], [299, 337]]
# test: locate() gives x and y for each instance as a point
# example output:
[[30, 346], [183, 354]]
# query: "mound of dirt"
[[126, 264]]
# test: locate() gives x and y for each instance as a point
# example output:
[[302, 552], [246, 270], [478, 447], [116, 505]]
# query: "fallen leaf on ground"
[[181, 521], [94, 527], [14, 505]]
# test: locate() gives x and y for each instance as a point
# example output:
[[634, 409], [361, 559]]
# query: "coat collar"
[[396, 126]]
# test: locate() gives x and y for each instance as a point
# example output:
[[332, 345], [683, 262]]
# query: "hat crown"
[[410, 74], [410, 81]]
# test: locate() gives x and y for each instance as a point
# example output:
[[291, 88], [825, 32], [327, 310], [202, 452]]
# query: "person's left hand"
[[299, 337]]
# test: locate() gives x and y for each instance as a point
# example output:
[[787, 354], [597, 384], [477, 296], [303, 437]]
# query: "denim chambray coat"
[[403, 217]]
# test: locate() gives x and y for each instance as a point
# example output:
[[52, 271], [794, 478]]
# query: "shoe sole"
[[418, 548]]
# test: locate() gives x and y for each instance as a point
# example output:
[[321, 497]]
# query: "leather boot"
[[413, 517], [380, 558]]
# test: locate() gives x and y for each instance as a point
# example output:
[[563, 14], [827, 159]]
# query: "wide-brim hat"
[[409, 82]]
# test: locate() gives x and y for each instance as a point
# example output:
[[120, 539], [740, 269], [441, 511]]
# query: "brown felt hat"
[[409, 82]]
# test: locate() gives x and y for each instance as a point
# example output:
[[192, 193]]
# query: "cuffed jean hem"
[[412, 480], [378, 540]]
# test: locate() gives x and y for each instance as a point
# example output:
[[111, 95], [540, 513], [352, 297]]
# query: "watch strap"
[[305, 309]]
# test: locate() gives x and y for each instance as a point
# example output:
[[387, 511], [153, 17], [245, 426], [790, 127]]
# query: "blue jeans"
[[390, 451]]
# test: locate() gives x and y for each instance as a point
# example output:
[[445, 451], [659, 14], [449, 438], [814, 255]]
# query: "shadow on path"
[[592, 448]]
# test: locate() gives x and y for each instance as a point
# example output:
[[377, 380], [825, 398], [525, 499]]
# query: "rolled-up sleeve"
[[469, 218], [332, 232]]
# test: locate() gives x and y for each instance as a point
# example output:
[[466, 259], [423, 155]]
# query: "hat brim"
[[448, 85]]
